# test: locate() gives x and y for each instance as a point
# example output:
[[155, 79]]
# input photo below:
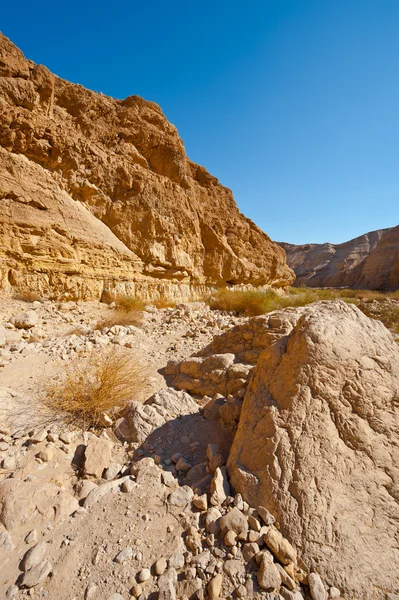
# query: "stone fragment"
[[250, 550], [12, 591], [241, 591], [124, 555], [234, 568], [112, 471], [91, 592], [144, 575], [201, 502], [160, 566], [97, 456], [230, 538], [46, 455], [25, 320], [176, 561], [286, 579], [5, 541], [167, 592], [215, 587], [183, 465], [266, 516], [31, 538], [36, 574], [268, 575], [220, 487], [128, 485], [212, 520], [289, 595], [214, 456], [181, 496], [335, 593], [234, 520], [34, 556], [136, 590], [280, 546], [317, 589], [168, 479]]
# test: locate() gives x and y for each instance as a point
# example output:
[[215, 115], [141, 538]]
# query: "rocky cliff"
[[98, 193], [370, 261]]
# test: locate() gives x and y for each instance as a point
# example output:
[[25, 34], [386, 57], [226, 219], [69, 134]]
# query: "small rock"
[[5, 541], [176, 561], [253, 523], [36, 574], [46, 455], [31, 538], [124, 555], [183, 465], [220, 487], [91, 592], [66, 437], [168, 479], [268, 575], [160, 566], [201, 502], [34, 556], [97, 456], [334, 592], [167, 592], [230, 539], [181, 496], [241, 591], [136, 591], [128, 486], [280, 546], [112, 471], [266, 516], [144, 575], [317, 589], [12, 591], [212, 520], [236, 521], [25, 320], [215, 586], [39, 436]]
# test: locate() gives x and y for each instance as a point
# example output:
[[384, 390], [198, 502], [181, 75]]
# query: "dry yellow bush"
[[120, 317], [101, 383]]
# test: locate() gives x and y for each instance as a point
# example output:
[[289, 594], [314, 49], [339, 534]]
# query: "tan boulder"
[[317, 445]]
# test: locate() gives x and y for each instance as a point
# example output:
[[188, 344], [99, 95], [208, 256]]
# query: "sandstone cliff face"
[[317, 443], [140, 214], [370, 261]]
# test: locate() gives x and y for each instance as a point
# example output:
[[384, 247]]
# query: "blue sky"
[[293, 104]]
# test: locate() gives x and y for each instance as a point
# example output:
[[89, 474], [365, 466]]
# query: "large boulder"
[[317, 445]]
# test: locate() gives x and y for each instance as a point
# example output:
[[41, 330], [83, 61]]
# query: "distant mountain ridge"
[[370, 261]]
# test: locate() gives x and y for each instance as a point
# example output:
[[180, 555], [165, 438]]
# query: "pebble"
[[136, 591], [201, 502], [46, 455], [215, 586], [124, 555], [128, 486], [160, 566], [31, 538], [317, 589], [144, 575]]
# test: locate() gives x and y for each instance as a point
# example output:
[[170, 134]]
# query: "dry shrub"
[[103, 382], [163, 302], [129, 303], [28, 296], [258, 302], [120, 317], [387, 313]]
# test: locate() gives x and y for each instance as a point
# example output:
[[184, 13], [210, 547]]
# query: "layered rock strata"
[[370, 261], [98, 194]]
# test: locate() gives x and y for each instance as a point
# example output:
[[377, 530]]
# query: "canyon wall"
[[98, 194], [370, 261]]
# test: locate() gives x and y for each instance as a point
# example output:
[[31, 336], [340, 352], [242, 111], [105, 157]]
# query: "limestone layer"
[[98, 193]]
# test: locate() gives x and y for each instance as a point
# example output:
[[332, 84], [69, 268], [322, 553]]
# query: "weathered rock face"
[[370, 261], [317, 445], [98, 193]]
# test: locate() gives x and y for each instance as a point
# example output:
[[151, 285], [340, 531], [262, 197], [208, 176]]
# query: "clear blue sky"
[[293, 104]]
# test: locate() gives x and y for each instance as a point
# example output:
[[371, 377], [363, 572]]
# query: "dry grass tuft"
[[28, 296], [163, 302], [103, 382], [129, 303], [120, 317], [387, 313]]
